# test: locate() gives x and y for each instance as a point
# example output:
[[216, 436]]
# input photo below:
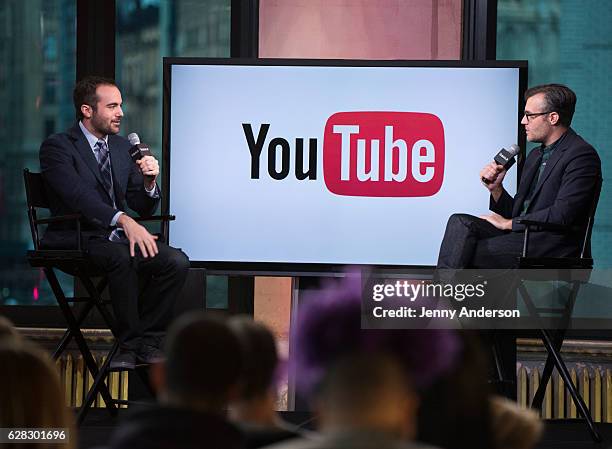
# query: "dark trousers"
[[471, 242], [142, 290]]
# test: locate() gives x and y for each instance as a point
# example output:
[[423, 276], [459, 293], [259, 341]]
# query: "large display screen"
[[323, 162]]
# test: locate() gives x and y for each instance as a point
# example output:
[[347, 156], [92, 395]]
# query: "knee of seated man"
[[460, 220], [178, 261], [112, 256]]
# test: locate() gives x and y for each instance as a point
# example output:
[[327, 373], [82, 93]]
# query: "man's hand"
[[505, 224], [494, 174], [149, 167], [138, 235]]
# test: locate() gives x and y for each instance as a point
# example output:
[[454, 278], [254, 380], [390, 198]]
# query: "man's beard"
[[102, 127]]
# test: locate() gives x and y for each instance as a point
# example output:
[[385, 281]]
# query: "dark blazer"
[[563, 195], [74, 185]]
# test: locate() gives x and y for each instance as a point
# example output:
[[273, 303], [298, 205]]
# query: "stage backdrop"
[[339, 165], [360, 29]]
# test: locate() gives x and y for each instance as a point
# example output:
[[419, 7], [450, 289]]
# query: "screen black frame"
[[310, 269]]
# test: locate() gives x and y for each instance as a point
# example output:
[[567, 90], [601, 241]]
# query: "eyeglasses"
[[530, 115]]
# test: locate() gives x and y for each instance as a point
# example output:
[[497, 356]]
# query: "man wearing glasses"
[[557, 186]]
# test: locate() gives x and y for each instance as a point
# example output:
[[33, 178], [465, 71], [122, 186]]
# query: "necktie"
[[117, 234], [105, 168]]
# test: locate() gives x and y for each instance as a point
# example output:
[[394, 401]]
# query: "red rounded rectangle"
[[383, 154]]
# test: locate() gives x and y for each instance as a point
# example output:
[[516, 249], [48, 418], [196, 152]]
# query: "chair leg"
[[558, 343], [502, 384], [78, 337], [94, 291], [499, 368], [553, 348], [67, 337], [538, 397], [564, 373], [99, 385], [143, 373]]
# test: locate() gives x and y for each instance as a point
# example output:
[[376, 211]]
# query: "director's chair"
[[75, 262]]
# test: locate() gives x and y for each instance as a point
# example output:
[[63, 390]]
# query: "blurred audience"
[[459, 402], [363, 384], [30, 393], [514, 427], [195, 384], [367, 388], [7, 329], [366, 400], [254, 410]]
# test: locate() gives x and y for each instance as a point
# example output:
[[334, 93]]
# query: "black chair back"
[[36, 197], [35, 189], [586, 244]]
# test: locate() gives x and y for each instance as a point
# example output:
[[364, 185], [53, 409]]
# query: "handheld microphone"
[[137, 150], [505, 158]]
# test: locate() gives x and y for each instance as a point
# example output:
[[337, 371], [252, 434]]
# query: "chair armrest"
[[156, 218], [58, 218], [545, 226]]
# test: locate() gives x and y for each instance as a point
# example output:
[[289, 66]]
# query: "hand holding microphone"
[[141, 155], [493, 173]]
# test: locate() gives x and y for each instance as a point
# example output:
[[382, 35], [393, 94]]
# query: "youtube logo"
[[370, 154], [385, 154]]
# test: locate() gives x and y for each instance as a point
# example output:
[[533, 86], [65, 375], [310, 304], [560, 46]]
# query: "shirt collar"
[[93, 140], [553, 145]]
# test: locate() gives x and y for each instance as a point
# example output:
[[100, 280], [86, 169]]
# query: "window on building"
[[37, 50], [569, 42], [147, 31]]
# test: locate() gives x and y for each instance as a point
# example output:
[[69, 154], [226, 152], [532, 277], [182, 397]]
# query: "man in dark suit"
[[557, 186], [88, 170]]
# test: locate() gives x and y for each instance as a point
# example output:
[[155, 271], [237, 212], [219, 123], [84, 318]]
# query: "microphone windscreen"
[[133, 138], [514, 149]]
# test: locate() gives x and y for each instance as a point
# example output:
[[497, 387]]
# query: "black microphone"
[[505, 158], [137, 150]]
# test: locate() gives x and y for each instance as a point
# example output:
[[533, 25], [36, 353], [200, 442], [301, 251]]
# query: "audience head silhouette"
[[203, 364], [7, 329], [260, 357], [364, 380], [30, 393]]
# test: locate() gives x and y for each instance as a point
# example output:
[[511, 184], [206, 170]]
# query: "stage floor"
[[559, 434]]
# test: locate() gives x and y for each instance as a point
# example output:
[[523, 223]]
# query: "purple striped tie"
[[117, 235], [105, 167]]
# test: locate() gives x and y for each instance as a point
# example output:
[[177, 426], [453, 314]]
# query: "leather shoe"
[[149, 354], [123, 360]]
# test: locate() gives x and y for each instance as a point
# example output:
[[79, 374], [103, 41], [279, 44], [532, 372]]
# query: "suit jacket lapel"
[[83, 148], [530, 170], [554, 158], [119, 180]]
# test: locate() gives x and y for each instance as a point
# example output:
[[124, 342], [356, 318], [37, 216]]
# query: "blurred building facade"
[[568, 42], [37, 75], [563, 40]]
